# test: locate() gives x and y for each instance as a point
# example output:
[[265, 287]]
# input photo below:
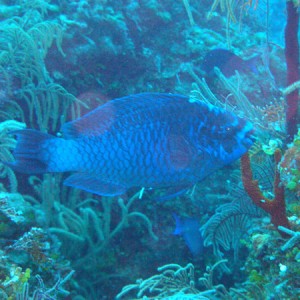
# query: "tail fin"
[[28, 158]]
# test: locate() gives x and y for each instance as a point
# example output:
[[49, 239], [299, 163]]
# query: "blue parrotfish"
[[150, 140], [189, 229], [227, 62]]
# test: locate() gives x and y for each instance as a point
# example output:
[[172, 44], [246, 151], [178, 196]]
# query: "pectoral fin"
[[172, 192], [92, 184]]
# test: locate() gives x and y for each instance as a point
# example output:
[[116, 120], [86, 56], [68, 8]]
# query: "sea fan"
[[232, 221], [225, 228]]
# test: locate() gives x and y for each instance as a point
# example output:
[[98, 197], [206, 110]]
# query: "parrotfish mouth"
[[249, 138]]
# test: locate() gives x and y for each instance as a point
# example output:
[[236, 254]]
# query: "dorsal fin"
[[132, 108]]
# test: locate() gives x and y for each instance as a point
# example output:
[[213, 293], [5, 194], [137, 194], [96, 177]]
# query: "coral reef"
[[61, 58], [292, 62], [7, 143], [289, 166], [176, 282]]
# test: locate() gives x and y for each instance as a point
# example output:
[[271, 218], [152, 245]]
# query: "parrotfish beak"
[[249, 139]]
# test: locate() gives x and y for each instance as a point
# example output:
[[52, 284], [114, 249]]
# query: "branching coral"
[[92, 231], [43, 6], [226, 6], [276, 207], [226, 228], [173, 279], [49, 105], [7, 143], [15, 280], [16, 286], [13, 207], [295, 238], [24, 44], [177, 282], [33, 243], [189, 12], [229, 6], [21, 53], [268, 118]]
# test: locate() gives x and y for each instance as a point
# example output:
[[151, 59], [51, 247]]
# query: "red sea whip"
[[292, 62]]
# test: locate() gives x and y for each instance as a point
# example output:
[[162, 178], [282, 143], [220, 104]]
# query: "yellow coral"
[[25, 276]]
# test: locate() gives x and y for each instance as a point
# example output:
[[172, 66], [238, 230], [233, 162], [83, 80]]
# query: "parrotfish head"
[[230, 135], [237, 141]]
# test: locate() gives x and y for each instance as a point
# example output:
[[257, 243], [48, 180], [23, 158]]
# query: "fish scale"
[[150, 140]]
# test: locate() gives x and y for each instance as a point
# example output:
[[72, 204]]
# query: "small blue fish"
[[189, 229], [149, 140], [227, 62]]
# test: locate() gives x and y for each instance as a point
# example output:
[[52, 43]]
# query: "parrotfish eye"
[[230, 130]]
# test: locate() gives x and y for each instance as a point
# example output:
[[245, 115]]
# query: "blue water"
[[60, 60]]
